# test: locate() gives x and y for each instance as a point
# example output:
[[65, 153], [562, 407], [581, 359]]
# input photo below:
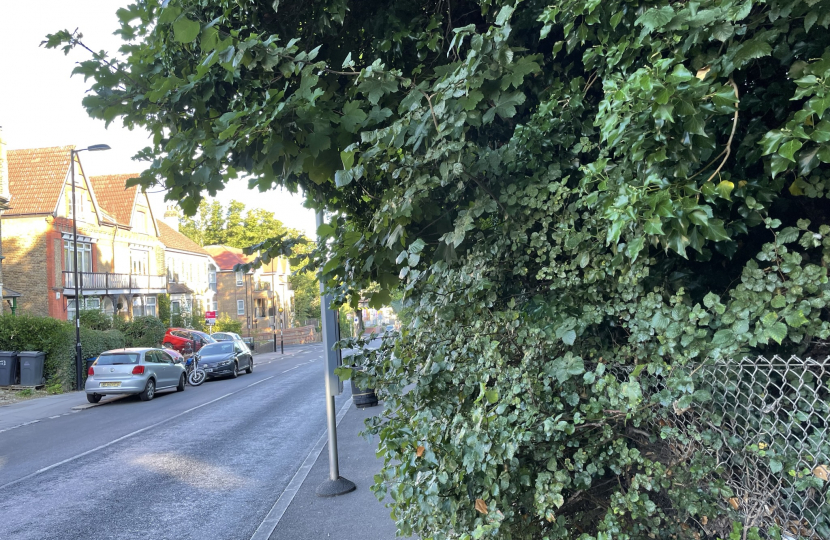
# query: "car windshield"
[[217, 348], [205, 338], [114, 359], [221, 336]]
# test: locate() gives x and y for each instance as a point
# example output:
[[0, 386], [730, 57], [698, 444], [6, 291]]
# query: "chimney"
[[171, 217], [4, 172]]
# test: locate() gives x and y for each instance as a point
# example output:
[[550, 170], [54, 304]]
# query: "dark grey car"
[[225, 359]]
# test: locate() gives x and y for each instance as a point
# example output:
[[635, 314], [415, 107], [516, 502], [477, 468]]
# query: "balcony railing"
[[107, 281]]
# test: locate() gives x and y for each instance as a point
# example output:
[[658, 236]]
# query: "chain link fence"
[[766, 428]]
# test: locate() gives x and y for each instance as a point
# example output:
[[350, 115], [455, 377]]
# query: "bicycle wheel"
[[196, 377]]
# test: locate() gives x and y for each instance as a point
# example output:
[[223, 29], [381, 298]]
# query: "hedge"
[[56, 339]]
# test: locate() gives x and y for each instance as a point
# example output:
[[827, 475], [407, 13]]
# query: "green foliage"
[[164, 308], [56, 339], [226, 323], [95, 319], [144, 332], [571, 196]]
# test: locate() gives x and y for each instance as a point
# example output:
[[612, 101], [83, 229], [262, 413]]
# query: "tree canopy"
[[575, 197]]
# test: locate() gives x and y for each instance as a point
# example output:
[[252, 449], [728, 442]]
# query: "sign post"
[[210, 320]]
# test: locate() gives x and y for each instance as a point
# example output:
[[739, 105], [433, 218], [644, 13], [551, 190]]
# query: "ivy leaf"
[[778, 301], [492, 395], [724, 189], [808, 160], [655, 18], [821, 133], [771, 141], [789, 148], [774, 465], [653, 226], [749, 50], [796, 319], [777, 331], [185, 30]]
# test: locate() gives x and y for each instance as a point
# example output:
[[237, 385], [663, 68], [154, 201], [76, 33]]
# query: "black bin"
[[8, 367], [31, 368], [363, 397], [89, 362]]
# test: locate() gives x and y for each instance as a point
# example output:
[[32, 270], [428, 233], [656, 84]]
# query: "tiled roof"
[[226, 256], [173, 239], [113, 197], [36, 178]]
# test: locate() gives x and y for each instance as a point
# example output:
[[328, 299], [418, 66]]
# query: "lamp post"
[[78, 359]]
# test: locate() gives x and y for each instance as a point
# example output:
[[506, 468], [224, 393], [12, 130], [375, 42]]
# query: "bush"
[[226, 323], [96, 319], [144, 331]]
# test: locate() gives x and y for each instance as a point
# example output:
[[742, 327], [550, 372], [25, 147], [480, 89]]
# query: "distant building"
[[254, 297], [191, 271]]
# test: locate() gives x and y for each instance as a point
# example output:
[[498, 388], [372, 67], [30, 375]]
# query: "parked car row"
[[146, 371]]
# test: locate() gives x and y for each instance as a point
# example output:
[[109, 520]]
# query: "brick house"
[[250, 296], [120, 256]]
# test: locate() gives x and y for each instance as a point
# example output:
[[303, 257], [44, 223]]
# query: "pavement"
[[354, 515], [233, 459]]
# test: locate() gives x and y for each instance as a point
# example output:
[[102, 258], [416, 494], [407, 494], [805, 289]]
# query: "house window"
[[84, 256], [150, 306], [239, 278], [240, 307], [214, 304], [176, 307], [80, 195], [172, 276], [86, 304], [212, 278], [260, 307], [140, 262], [138, 308], [140, 221]]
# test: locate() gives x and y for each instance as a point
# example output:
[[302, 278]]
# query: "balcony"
[[92, 283]]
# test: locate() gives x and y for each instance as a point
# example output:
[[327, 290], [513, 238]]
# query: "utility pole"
[[336, 484]]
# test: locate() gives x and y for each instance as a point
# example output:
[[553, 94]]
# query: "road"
[[207, 463]]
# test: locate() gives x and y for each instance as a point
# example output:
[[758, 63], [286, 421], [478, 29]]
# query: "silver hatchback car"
[[141, 371]]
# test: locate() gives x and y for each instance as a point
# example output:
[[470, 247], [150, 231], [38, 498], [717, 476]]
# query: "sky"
[[40, 104]]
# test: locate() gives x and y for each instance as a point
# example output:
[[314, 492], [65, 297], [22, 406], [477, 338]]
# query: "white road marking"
[[53, 417], [119, 439], [266, 528], [263, 380]]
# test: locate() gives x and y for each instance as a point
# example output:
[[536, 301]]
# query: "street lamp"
[[78, 360]]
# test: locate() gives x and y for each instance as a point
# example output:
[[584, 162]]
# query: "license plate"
[[208, 370], [110, 384]]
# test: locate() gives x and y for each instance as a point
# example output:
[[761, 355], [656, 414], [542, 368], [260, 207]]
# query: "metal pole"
[[78, 360], [335, 485]]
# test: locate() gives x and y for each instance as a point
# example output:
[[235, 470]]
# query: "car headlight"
[[224, 363]]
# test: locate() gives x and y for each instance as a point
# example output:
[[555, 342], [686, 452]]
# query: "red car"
[[178, 339]]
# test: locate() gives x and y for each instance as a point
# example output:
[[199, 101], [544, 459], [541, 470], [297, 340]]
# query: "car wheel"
[[182, 382], [235, 373], [168, 346], [250, 368], [94, 398], [149, 391]]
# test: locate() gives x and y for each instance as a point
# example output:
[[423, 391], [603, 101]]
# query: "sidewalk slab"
[[354, 515]]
